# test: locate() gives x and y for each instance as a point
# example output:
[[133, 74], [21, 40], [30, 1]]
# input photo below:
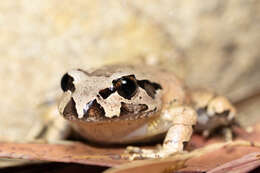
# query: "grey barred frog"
[[134, 104]]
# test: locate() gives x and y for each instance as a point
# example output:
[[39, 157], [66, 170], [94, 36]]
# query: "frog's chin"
[[114, 130]]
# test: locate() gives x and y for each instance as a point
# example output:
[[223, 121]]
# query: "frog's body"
[[128, 104]]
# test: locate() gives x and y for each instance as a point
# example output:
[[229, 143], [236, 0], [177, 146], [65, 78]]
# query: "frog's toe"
[[132, 149], [136, 153]]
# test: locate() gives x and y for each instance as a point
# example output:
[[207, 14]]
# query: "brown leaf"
[[215, 157], [83, 153], [221, 155], [75, 152], [206, 158], [151, 166], [211, 155], [241, 165], [200, 160]]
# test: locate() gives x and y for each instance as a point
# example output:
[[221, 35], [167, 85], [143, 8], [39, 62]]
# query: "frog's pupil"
[[127, 88]]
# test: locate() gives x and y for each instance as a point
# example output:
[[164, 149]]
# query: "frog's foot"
[[219, 106], [212, 104], [137, 153], [182, 119], [213, 111], [228, 134]]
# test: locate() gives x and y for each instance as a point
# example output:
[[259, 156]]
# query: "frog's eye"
[[126, 86], [67, 83]]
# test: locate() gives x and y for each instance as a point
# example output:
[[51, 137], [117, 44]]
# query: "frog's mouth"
[[95, 112]]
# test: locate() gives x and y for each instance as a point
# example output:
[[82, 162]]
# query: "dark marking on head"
[[149, 87], [67, 83], [93, 109], [132, 108], [126, 86], [70, 110], [105, 93]]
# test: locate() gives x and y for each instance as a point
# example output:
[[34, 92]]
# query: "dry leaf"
[[83, 153], [241, 165], [75, 152]]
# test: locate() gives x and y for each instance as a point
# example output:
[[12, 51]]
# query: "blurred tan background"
[[211, 43]]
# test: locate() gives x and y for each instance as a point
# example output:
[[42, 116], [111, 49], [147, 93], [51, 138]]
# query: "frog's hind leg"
[[213, 111], [181, 119]]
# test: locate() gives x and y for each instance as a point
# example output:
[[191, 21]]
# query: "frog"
[[130, 104]]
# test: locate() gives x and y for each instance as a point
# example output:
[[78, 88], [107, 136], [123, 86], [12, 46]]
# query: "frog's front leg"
[[181, 120], [56, 129]]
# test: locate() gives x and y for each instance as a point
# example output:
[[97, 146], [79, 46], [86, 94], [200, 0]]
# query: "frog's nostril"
[[67, 83]]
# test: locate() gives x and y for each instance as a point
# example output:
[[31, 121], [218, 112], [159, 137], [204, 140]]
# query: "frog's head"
[[108, 95]]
